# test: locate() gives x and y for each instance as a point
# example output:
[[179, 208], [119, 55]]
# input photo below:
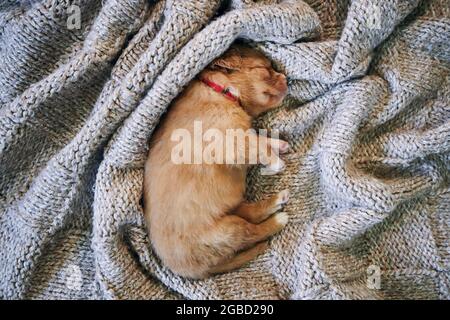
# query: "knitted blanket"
[[83, 84]]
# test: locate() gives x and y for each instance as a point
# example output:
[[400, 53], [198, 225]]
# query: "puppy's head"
[[258, 85]]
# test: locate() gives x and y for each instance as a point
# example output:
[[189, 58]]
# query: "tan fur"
[[198, 220]]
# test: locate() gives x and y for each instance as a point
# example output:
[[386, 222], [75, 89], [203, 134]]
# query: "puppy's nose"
[[281, 84]]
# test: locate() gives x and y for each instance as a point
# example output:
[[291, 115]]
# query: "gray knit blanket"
[[83, 84]]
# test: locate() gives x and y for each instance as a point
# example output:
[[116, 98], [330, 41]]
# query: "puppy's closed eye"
[[265, 73]]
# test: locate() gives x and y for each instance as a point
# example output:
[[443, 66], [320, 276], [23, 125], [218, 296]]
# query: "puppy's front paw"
[[273, 168], [284, 146], [280, 145]]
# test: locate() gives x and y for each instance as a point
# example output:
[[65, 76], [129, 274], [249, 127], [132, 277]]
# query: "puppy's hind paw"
[[282, 218], [279, 200], [283, 197]]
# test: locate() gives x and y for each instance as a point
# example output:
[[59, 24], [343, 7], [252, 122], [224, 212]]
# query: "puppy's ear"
[[229, 61]]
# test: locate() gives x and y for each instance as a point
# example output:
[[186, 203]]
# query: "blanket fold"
[[367, 116]]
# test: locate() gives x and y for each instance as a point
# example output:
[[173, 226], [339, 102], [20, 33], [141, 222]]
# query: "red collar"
[[221, 89]]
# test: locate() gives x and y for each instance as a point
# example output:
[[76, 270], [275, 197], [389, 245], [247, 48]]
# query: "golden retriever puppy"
[[198, 221]]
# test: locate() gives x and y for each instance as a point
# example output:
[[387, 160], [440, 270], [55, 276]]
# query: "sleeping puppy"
[[198, 221]]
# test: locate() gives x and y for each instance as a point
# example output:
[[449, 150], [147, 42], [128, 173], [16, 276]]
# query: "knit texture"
[[368, 120]]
